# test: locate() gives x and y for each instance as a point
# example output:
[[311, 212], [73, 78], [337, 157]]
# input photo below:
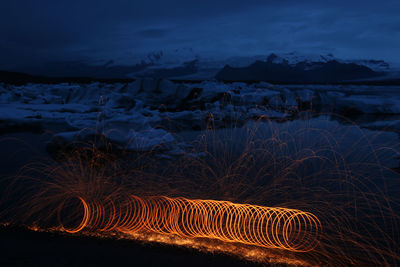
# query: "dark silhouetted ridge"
[[303, 72]]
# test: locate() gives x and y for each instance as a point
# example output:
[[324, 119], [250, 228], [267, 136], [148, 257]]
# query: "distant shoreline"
[[19, 78]]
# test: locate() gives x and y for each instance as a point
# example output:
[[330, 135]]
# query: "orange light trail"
[[270, 227]]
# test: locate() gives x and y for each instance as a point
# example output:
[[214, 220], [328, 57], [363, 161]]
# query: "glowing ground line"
[[271, 227]]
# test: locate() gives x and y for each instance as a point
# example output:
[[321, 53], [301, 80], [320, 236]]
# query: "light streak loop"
[[270, 227]]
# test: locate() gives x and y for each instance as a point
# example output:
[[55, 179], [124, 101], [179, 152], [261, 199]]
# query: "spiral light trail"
[[270, 227]]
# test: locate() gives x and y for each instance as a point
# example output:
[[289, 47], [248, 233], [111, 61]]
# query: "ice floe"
[[143, 114]]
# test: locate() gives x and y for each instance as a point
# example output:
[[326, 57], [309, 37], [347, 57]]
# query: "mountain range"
[[186, 65]]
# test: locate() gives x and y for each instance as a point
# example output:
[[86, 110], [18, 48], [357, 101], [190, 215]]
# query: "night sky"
[[40, 31]]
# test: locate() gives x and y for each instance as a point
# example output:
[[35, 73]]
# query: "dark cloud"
[[34, 32]]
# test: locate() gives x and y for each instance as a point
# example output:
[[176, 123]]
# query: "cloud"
[[34, 32], [152, 33]]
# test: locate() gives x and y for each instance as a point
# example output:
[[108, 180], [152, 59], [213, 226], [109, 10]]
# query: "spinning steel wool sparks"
[[280, 228], [307, 166]]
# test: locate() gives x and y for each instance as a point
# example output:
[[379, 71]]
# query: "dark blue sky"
[[34, 32]]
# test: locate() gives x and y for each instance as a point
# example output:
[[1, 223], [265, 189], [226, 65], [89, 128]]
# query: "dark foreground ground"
[[21, 247]]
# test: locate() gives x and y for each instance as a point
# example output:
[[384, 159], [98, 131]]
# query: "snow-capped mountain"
[[169, 58], [187, 64], [294, 58]]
